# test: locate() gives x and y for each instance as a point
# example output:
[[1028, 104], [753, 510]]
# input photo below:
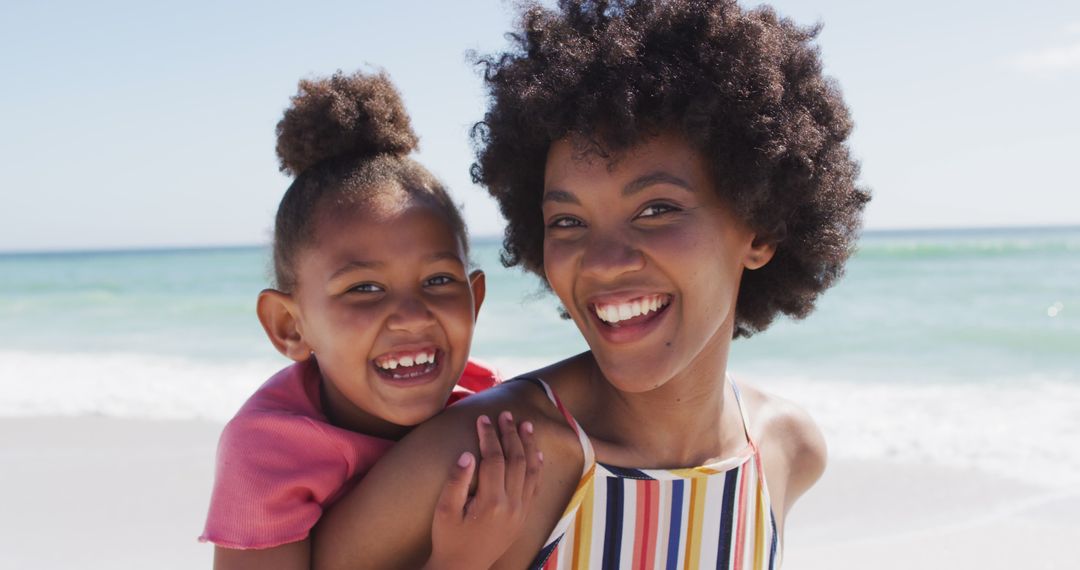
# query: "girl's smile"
[[386, 306]]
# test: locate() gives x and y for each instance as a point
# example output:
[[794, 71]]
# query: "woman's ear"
[[478, 284], [280, 319], [761, 252]]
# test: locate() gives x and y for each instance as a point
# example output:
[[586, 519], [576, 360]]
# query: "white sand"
[[103, 493]]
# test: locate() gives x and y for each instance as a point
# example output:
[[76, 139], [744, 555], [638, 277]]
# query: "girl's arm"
[[473, 532], [291, 556], [386, 521], [468, 532]]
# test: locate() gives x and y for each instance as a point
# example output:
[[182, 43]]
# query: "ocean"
[[959, 348]]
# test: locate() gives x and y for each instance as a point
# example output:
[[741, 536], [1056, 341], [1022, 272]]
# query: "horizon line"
[[485, 238]]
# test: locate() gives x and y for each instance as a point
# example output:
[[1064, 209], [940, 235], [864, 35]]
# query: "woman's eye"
[[653, 210], [439, 280], [565, 222], [365, 288]]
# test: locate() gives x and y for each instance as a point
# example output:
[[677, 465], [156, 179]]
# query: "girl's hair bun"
[[343, 116]]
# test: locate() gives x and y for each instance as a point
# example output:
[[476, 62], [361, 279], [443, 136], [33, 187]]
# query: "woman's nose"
[[609, 256]]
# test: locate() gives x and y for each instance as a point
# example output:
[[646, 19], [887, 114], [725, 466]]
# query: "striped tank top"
[[712, 516]]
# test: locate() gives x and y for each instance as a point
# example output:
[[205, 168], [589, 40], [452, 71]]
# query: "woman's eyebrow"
[[561, 196], [642, 182], [633, 187]]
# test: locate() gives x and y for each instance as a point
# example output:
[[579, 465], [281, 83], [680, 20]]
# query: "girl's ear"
[[279, 316], [478, 284], [760, 252]]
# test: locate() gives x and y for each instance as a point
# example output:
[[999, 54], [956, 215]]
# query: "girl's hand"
[[473, 532]]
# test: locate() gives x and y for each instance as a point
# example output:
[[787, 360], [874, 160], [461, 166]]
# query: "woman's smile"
[[645, 255], [625, 320]]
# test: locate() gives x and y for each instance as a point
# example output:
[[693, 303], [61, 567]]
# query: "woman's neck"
[[691, 419]]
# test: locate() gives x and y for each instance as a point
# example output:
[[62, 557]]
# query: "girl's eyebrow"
[[358, 264], [633, 187], [352, 265], [444, 255]]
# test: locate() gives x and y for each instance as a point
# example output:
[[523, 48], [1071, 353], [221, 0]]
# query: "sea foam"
[[1023, 428]]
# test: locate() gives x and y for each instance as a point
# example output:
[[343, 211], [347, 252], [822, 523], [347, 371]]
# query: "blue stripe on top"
[[613, 524], [727, 508], [627, 473], [676, 518]]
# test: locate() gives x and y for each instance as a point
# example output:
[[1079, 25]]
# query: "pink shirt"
[[280, 462]]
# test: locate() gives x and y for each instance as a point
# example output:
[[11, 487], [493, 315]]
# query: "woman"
[[677, 172]]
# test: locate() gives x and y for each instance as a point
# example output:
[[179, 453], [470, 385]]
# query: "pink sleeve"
[[274, 473], [476, 377]]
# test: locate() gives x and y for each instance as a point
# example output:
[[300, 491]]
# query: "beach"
[[95, 492], [945, 378]]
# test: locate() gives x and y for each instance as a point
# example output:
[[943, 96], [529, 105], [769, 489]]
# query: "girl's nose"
[[608, 257], [410, 314]]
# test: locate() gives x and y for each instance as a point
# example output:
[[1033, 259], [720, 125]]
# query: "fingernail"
[[465, 460], [506, 417], [540, 455], [528, 427], [485, 420]]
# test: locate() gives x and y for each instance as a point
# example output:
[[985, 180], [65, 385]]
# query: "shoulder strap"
[[742, 412], [586, 445]]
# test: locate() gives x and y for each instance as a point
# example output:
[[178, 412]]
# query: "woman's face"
[[646, 258]]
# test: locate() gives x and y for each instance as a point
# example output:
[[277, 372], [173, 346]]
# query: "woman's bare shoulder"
[[408, 479], [790, 441]]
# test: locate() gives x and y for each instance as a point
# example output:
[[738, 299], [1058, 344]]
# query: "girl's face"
[[645, 257], [387, 307]]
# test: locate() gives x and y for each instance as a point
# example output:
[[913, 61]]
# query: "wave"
[[1020, 427]]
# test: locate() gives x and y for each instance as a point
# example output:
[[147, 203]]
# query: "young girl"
[[374, 302], [676, 171]]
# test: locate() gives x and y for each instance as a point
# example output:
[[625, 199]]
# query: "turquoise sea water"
[[930, 339]]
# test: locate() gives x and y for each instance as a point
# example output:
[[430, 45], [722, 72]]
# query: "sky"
[[142, 125]]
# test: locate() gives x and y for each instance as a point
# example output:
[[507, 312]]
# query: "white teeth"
[[407, 360], [624, 311], [610, 313]]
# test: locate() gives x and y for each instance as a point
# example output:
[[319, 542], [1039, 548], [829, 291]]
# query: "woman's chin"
[[635, 376]]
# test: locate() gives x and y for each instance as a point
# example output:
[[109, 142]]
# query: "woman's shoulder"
[[792, 444], [523, 396]]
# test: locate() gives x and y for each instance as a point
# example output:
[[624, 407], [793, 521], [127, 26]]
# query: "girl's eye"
[[565, 222], [365, 288], [439, 280], [653, 210]]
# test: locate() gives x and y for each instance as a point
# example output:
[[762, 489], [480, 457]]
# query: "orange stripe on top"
[[583, 530], [693, 524]]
